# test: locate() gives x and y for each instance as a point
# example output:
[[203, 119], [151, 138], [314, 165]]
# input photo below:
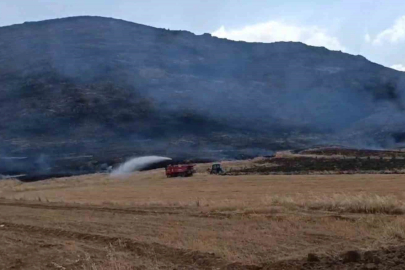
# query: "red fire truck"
[[180, 170]]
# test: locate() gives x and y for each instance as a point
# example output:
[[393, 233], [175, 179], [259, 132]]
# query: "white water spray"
[[136, 164]]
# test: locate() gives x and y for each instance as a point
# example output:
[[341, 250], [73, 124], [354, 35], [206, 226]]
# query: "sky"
[[372, 28]]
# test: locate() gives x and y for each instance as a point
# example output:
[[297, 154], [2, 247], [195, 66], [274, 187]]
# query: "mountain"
[[108, 89]]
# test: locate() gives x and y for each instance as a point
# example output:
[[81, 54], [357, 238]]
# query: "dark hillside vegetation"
[[112, 89]]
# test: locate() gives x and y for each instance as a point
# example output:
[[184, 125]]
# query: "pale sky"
[[372, 28]]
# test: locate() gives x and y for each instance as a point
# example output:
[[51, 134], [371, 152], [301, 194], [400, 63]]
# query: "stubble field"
[[148, 221]]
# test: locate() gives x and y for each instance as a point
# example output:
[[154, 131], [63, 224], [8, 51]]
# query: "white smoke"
[[136, 164]]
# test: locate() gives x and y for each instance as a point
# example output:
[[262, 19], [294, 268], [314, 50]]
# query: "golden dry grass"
[[153, 187], [249, 219], [344, 203]]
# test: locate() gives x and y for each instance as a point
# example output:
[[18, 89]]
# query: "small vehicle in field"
[[186, 170], [216, 169]]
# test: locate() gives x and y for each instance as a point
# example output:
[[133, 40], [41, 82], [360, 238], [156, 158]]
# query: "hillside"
[[107, 89]]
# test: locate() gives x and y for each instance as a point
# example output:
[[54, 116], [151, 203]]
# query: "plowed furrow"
[[134, 211]]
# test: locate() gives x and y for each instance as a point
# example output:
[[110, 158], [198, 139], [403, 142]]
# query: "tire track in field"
[[183, 211], [50, 206]]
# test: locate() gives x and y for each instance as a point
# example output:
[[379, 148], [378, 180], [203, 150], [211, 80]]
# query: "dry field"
[[146, 221]]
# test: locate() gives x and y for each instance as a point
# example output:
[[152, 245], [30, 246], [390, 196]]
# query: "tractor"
[[216, 169]]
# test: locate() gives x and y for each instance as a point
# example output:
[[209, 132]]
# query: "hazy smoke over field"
[[136, 164], [116, 88]]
